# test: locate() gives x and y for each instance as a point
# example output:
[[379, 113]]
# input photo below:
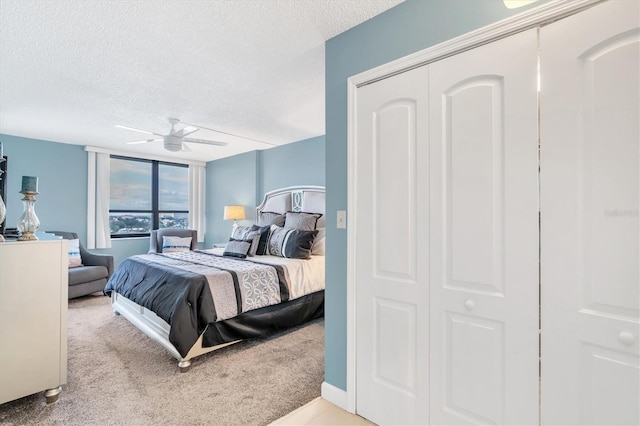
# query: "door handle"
[[469, 305]]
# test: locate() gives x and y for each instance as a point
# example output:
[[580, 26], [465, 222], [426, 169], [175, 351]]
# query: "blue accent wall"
[[230, 181], [300, 163], [62, 182], [407, 28], [243, 179]]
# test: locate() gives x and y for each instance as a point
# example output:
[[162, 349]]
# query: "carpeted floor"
[[118, 376]]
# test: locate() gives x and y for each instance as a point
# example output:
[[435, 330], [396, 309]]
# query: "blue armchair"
[[93, 275]]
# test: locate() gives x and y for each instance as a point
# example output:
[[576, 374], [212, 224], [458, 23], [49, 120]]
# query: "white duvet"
[[303, 275]]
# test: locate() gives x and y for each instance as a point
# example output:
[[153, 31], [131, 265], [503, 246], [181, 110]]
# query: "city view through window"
[[137, 205]]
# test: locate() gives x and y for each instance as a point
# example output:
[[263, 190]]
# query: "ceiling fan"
[[175, 140]]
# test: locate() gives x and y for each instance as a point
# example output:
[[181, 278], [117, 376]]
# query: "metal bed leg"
[[51, 395], [184, 366]]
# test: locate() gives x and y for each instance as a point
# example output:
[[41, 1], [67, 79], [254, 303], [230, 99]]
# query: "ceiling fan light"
[[172, 143]]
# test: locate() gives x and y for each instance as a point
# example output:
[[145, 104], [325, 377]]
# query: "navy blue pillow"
[[265, 231], [290, 243], [298, 244]]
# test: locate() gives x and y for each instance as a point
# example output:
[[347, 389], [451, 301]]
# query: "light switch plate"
[[342, 219]]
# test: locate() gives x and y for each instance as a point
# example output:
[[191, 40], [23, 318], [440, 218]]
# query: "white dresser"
[[33, 318]]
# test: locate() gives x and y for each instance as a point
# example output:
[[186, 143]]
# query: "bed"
[[196, 301]]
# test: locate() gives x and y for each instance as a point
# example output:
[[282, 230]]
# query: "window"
[[146, 195]]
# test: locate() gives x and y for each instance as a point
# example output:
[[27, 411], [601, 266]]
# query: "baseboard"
[[334, 395]]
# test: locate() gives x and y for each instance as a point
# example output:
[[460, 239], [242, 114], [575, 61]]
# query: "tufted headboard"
[[305, 198]]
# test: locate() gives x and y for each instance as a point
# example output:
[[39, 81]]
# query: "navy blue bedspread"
[[181, 298]]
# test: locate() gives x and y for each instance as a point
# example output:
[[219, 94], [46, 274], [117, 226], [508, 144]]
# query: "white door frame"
[[545, 13]]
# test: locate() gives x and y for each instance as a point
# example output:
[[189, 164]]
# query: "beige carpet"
[[118, 376]]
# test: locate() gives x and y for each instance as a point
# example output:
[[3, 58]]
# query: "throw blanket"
[[191, 289]]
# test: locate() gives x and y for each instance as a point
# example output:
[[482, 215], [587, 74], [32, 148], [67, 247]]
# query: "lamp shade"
[[234, 212]]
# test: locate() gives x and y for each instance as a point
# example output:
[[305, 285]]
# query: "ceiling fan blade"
[[188, 130], [205, 142], [137, 130], [185, 148], [226, 133], [143, 141]]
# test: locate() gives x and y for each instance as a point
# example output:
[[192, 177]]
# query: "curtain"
[[98, 232], [197, 200]]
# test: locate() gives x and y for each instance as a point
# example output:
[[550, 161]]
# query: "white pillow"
[[175, 244], [317, 248], [74, 253]]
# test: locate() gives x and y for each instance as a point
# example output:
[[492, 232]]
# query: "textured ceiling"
[[72, 70]]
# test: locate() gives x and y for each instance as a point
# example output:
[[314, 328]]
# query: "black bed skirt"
[[264, 321]]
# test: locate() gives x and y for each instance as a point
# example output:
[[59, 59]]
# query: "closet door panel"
[[474, 182], [484, 235], [590, 234], [392, 282]]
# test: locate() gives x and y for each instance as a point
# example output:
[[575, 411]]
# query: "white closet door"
[[392, 256], [590, 184], [484, 235]]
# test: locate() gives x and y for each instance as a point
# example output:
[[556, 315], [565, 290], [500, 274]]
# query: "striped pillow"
[[290, 243], [247, 233], [263, 242]]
